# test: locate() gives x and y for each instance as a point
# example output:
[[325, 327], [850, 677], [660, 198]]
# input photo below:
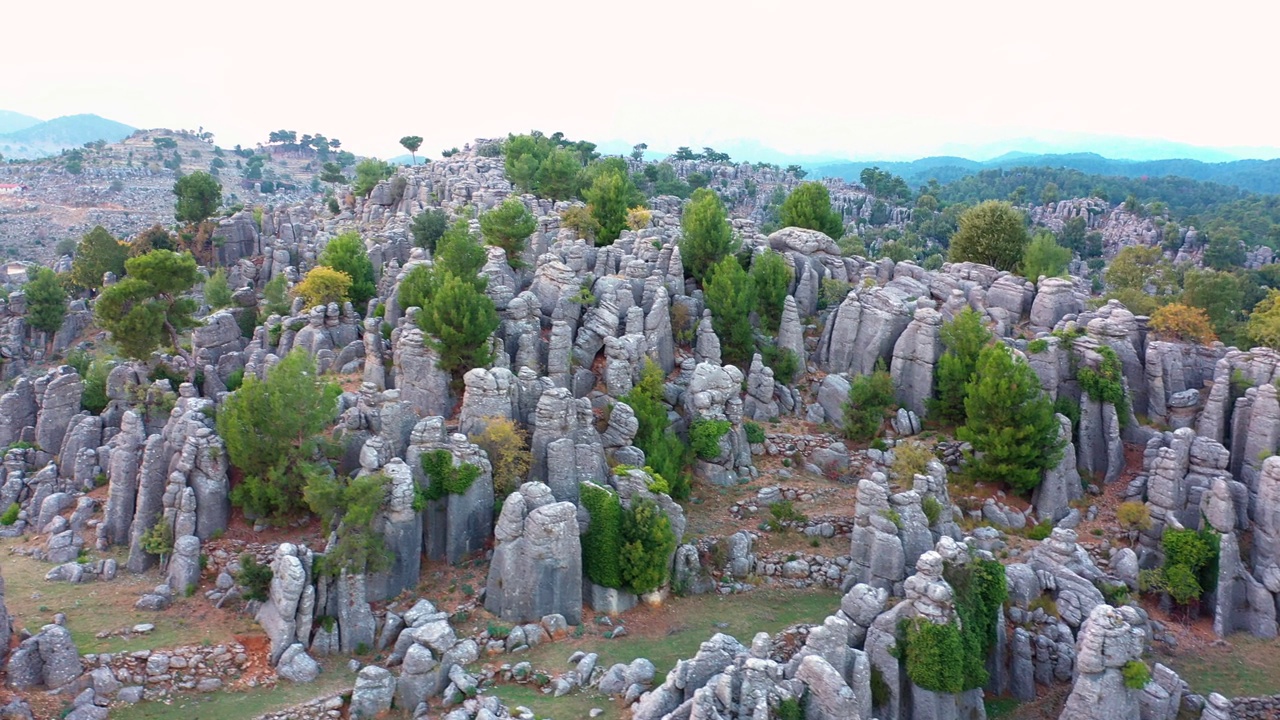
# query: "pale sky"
[[857, 79]]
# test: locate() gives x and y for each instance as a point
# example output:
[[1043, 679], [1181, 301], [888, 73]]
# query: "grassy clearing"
[[665, 635], [226, 704], [1244, 667], [104, 606]]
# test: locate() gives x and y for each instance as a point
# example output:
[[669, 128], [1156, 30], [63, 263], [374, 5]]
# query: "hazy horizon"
[[838, 80]]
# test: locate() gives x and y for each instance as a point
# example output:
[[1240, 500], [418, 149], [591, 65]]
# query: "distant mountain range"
[[1261, 176], [22, 136]]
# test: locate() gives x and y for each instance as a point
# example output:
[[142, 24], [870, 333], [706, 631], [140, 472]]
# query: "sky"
[[888, 79]]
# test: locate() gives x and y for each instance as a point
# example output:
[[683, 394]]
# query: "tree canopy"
[[346, 253], [370, 172], [993, 233], [707, 237], [412, 143], [199, 196], [508, 226], [97, 254], [149, 309], [46, 302], [809, 206]]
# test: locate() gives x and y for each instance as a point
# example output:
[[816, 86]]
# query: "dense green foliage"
[[348, 507], [548, 167], [217, 293], [1136, 675], [272, 432], [980, 592], [602, 543], [459, 319], [508, 226], [1190, 566], [870, 396], [647, 545], [46, 302], [707, 237], [1106, 383], [964, 337], [731, 296], [993, 233], [704, 437], [412, 143], [784, 363], [1044, 256], [934, 656], [445, 478], [666, 453], [10, 515], [809, 206], [771, 276], [323, 285], [1009, 421], [275, 296], [149, 309], [254, 577], [346, 253], [608, 198], [94, 396], [369, 173], [427, 227], [1222, 297], [97, 254], [199, 196]]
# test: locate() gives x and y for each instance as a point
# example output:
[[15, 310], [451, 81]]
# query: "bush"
[[235, 379], [158, 539], [783, 514], [667, 454], [910, 459], [1133, 517], [1176, 321], [347, 508], [934, 656], [1035, 347], [94, 396], [932, 508], [254, 577], [323, 285], [870, 396], [217, 293], [602, 543], [832, 292], [992, 233], [790, 709], [771, 275], [1136, 674], [704, 437], [783, 362], [444, 478], [346, 254], [647, 545], [10, 515], [507, 446], [1040, 531], [755, 434]]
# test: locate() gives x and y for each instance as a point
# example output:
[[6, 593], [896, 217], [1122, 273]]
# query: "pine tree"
[[346, 253], [216, 291], [707, 235], [149, 309], [809, 206], [964, 337], [508, 226], [97, 254], [271, 430], [428, 227], [771, 276], [731, 297], [608, 199], [459, 318], [46, 302], [1010, 422]]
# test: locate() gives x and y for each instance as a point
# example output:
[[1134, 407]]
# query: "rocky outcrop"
[[455, 525], [565, 445], [537, 564], [1109, 639], [914, 356]]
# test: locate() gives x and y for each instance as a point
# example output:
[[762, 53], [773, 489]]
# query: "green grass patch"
[[1246, 667], [1000, 707], [573, 705], [225, 704]]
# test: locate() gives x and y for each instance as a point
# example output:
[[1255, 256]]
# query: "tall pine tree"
[[964, 337], [1010, 422]]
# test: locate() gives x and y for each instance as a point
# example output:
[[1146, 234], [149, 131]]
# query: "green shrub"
[[498, 632], [444, 477], [1136, 674], [1106, 384], [647, 545], [348, 508], [880, 692], [667, 454], [870, 396], [235, 380], [784, 363], [783, 513], [10, 515], [755, 434], [704, 437], [602, 543], [1035, 347], [934, 656], [255, 577], [1041, 531], [932, 509], [980, 592], [158, 540], [910, 459], [790, 709]]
